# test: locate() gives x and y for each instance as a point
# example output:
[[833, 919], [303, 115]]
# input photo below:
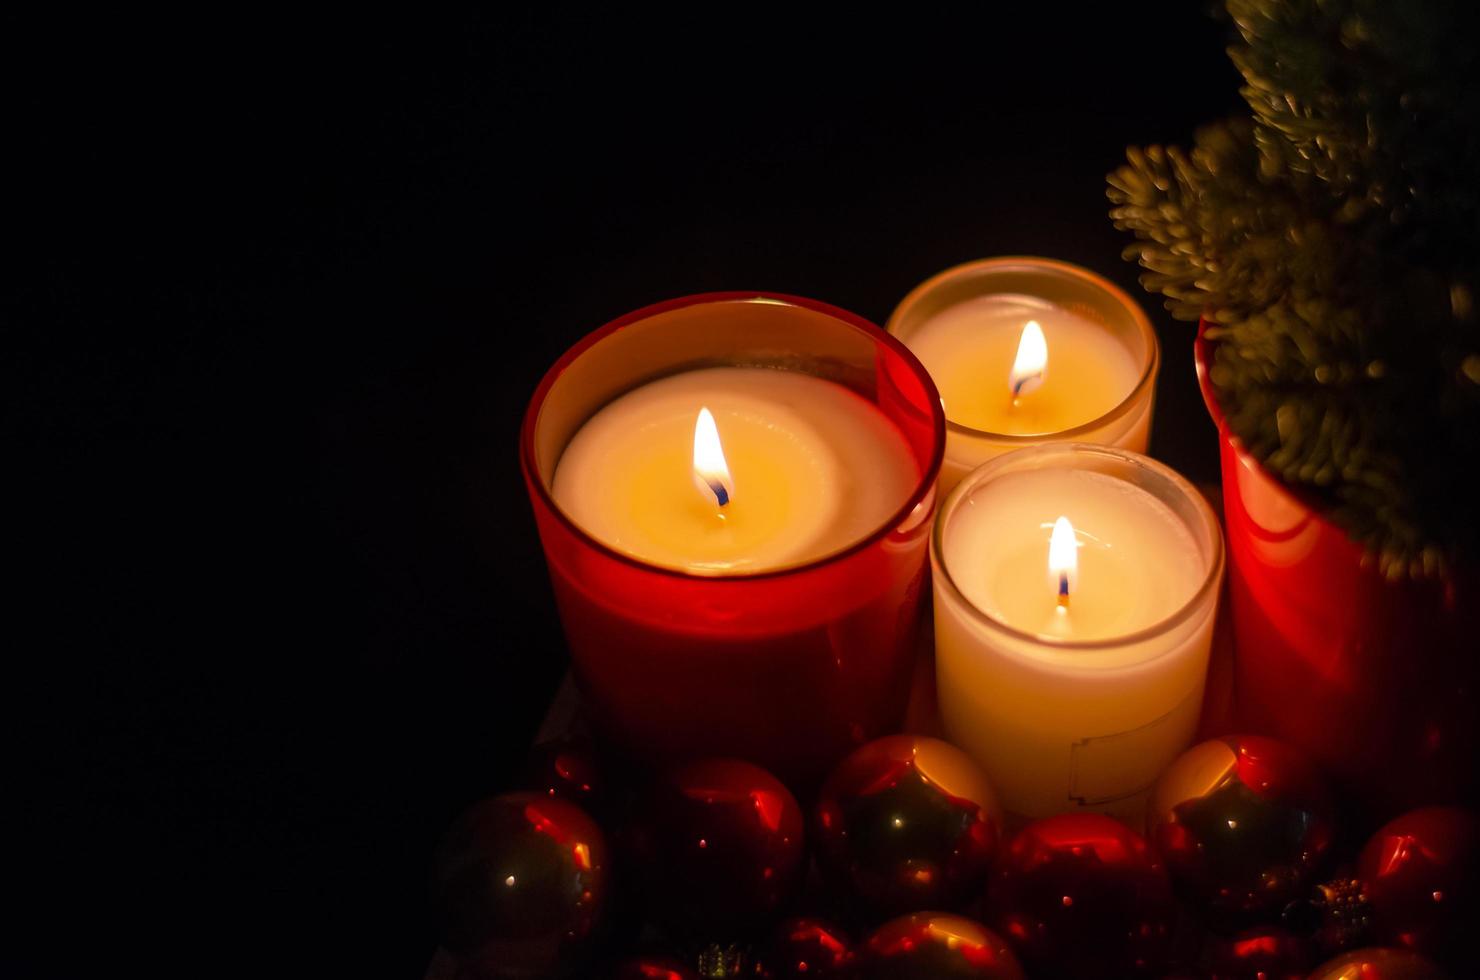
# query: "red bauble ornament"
[[907, 822], [805, 948], [936, 946], [1082, 895], [520, 883], [1261, 953], [567, 769], [1379, 963], [653, 968], [717, 846], [1244, 824], [1422, 875]]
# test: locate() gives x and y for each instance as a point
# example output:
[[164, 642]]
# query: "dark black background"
[[287, 288]]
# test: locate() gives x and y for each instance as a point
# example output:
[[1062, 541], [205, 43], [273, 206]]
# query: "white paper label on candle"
[[1106, 768]]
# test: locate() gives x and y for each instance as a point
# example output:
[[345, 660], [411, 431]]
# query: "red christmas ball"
[[1379, 963], [520, 884], [717, 845], [907, 822], [1082, 895], [1422, 875], [1244, 824], [805, 948], [1261, 953], [567, 769], [653, 968], [936, 946]]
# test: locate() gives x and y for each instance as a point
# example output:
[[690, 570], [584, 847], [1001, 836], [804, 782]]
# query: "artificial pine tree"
[[1333, 239]]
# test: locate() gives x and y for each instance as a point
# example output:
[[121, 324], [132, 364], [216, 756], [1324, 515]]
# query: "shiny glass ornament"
[[1422, 875], [936, 946], [1082, 895], [717, 846], [520, 884], [803, 949], [1261, 953], [568, 769], [907, 822], [1244, 824], [1379, 963], [653, 968]]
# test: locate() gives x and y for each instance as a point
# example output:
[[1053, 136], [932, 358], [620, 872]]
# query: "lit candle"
[[1028, 368], [1027, 350], [1063, 562], [1075, 588], [734, 495], [735, 470]]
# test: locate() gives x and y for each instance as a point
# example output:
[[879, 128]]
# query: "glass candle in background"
[[1027, 350], [1075, 592], [734, 494]]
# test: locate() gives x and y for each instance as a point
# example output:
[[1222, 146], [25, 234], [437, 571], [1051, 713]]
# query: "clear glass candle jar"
[[1074, 707]]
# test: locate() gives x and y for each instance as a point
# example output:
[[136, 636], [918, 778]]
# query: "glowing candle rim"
[[906, 312], [1150, 470], [923, 493]]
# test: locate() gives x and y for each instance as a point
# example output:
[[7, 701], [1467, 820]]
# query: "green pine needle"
[[1333, 236]]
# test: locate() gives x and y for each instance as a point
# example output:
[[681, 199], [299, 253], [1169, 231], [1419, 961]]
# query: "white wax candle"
[[814, 468], [1097, 351], [1138, 563], [1073, 706], [969, 350]]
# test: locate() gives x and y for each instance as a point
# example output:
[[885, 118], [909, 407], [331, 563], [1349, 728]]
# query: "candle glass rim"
[[1056, 266], [925, 486], [1212, 580]]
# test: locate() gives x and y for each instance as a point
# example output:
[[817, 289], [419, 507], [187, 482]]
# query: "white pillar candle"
[[735, 470], [1075, 591], [1027, 350]]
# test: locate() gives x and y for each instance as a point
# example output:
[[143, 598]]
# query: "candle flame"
[[711, 472], [1063, 560], [1031, 364]]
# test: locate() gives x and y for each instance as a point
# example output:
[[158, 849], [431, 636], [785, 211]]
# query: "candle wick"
[[1017, 386], [720, 493], [1063, 591]]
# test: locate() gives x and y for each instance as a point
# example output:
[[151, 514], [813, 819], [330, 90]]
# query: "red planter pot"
[[1376, 679]]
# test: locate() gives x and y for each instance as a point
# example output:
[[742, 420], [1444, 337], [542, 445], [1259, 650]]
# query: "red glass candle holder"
[[790, 668]]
